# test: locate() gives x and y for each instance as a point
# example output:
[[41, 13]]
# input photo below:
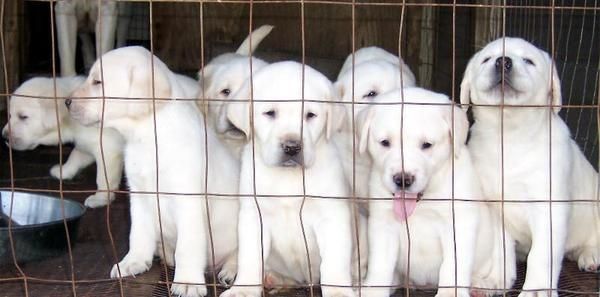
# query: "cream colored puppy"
[[221, 78], [514, 72], [174, 166], [291, 139], [375, 72], [421, 163], [33, 122]]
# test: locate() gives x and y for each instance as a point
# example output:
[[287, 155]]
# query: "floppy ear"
[[338, 90], [459, 132], [465, 85], [363, 125], [222, 123], [555, 91], [238, 113], [335, 119], [140, 86]]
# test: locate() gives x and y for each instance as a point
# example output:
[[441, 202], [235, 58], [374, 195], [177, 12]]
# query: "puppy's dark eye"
[[310, 115], [23, 117], [426, 145], [485, 60], [385, 143], [528, 61], [226, 92], [371, 94], [96, 82], [270, 113]]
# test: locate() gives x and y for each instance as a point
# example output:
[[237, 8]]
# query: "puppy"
[[420, 163], [82, 16], [291, 139], [33, 122], [511, 147], [174, 166], [221, 78], [375, 72]]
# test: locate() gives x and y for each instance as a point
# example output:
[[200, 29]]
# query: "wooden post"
[[10, 27]]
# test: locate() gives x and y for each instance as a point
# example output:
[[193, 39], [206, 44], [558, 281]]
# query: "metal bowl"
[[37, 226]]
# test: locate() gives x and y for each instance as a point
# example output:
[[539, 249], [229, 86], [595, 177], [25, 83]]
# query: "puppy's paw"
[[227, 275], [337, 292], [186, 290], [242, 292], [66, 173], [130, 267], [99, 200], [589, 260]]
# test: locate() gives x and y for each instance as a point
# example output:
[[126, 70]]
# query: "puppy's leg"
[[229, 269], [334, 238], [142, 237], [455, 276], [545, 256], [384, 247], [77, 160], [66, 31], [248, 282], [113, 165], [190, 250]]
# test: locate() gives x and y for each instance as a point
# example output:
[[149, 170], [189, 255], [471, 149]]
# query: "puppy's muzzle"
[[403, 180], [503, 65], [292, 156]]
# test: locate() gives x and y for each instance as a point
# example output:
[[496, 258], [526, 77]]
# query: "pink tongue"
[[404, 205]]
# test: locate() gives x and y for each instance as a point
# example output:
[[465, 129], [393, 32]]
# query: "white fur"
[[33, 122], [526, 160], [181, 150], [327, 222], [375, 72], [224, 76], [81, 16], [442, 171]]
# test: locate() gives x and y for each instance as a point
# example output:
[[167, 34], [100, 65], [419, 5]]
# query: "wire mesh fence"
[[436, 39]]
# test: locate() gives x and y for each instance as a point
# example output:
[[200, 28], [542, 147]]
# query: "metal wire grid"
[[531, 17]]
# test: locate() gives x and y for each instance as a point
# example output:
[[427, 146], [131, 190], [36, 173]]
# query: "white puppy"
[[84, 17], [174, 166], [511, 147], [414, 158], [291, 139], [33, 122], [375, 72], [221, 78]]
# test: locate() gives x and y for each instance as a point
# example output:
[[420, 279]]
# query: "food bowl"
[[37, 226]]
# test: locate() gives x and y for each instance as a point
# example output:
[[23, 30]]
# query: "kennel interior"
[[436, 38]]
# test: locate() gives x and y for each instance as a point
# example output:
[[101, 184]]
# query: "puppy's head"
[[286, 134], [220, 80], [32, 111], [125, 77], [370, 79], [409, 144], [513, 70]]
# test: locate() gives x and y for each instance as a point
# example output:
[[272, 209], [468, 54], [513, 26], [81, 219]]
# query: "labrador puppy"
[[375, 72], [166, 168], [291, 156], [416, 227], [33, 122], [523, 151], [221, 78]]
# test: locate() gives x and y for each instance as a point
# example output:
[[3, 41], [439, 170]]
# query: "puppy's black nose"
[[5, 134], [68, 103], [403, 180], [504, 63], [291, 147]]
